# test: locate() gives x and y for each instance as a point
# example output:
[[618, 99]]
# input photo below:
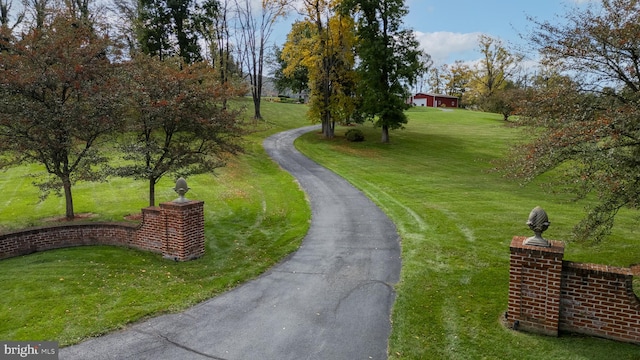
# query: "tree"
[[323, 43], [588, 117], [256, 29], [495, 69], [457, 78], [388, 57], [153, 29], [167, 28], [37, 11], [59, 99], [6, 28], [436, 80], [297, 81], [507, 101], [5, 17], [422, 77], [214, 24], [126, 14], [177, 123]]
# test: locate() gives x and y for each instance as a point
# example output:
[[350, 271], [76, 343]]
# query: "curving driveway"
[[329, 300]]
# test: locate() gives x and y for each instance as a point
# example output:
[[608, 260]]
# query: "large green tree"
[[587, 115], [167, 28], [59, 98], [388, 58]]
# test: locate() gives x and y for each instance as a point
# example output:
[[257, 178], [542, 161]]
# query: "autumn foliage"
[[178, 122], [66, 93], [585, 111], [59, 98]]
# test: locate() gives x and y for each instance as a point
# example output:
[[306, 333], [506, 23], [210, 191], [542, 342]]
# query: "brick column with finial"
[[176, 228], [535, 279]]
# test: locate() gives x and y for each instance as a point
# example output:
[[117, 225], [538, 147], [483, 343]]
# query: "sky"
[[448, 30]]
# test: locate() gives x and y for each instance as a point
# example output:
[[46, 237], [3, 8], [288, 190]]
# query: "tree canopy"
[[168, 28], [586, 111], [388, 61], [177, 121], [66, 91], [323, 43], [59, 99]]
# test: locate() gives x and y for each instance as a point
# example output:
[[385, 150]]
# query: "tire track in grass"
[[466, 231], [17, 184], [450, 325], [383, 199]]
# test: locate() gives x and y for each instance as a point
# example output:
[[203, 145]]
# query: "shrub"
[[354, 135]]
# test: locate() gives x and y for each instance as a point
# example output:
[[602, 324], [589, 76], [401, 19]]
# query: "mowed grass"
[[456, 218], [255, 214]]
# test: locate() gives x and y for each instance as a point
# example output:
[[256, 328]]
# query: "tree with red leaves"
[[587, 112], [58, 88], [177, 120]]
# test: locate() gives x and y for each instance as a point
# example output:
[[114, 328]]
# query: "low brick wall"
[[174, 230], [599, 300], [548, 295], [60, 236]]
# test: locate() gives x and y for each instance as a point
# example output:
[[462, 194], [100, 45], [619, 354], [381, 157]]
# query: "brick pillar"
[[534, 287], [184, 238]]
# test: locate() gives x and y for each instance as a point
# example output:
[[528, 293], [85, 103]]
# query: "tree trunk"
[[66, 183], [326, 126], [257, 115], [385, 134], [152, 192]]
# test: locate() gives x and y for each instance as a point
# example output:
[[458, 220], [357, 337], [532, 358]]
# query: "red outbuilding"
[[433, 100]]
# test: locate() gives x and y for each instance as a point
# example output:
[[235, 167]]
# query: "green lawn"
[[69, 294], [456, 218]]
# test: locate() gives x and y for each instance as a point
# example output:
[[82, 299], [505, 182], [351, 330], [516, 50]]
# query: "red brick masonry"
[[176, 230], [548, 295]]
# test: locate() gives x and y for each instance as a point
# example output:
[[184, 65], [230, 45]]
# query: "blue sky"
[[448, 30]]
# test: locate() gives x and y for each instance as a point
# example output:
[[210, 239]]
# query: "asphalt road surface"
[[329, 300]]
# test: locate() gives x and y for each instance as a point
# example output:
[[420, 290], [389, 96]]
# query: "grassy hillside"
[[456, 218]]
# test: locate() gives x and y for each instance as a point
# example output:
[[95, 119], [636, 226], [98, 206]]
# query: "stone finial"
[[181, 188], [538, 222]]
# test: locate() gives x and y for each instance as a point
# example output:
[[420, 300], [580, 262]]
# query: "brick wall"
[[174, 230], [548, 295], [599, 300], [55, 237], [534, 286]]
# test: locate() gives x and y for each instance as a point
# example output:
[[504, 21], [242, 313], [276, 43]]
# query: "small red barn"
[[433, 100]]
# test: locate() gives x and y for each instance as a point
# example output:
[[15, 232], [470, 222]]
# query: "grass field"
[[455, 216], [70, 294]]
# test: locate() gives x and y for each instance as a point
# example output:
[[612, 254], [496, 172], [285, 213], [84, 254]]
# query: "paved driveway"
[[329, 300]]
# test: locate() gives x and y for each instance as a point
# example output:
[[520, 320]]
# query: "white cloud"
[[445, 47]]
